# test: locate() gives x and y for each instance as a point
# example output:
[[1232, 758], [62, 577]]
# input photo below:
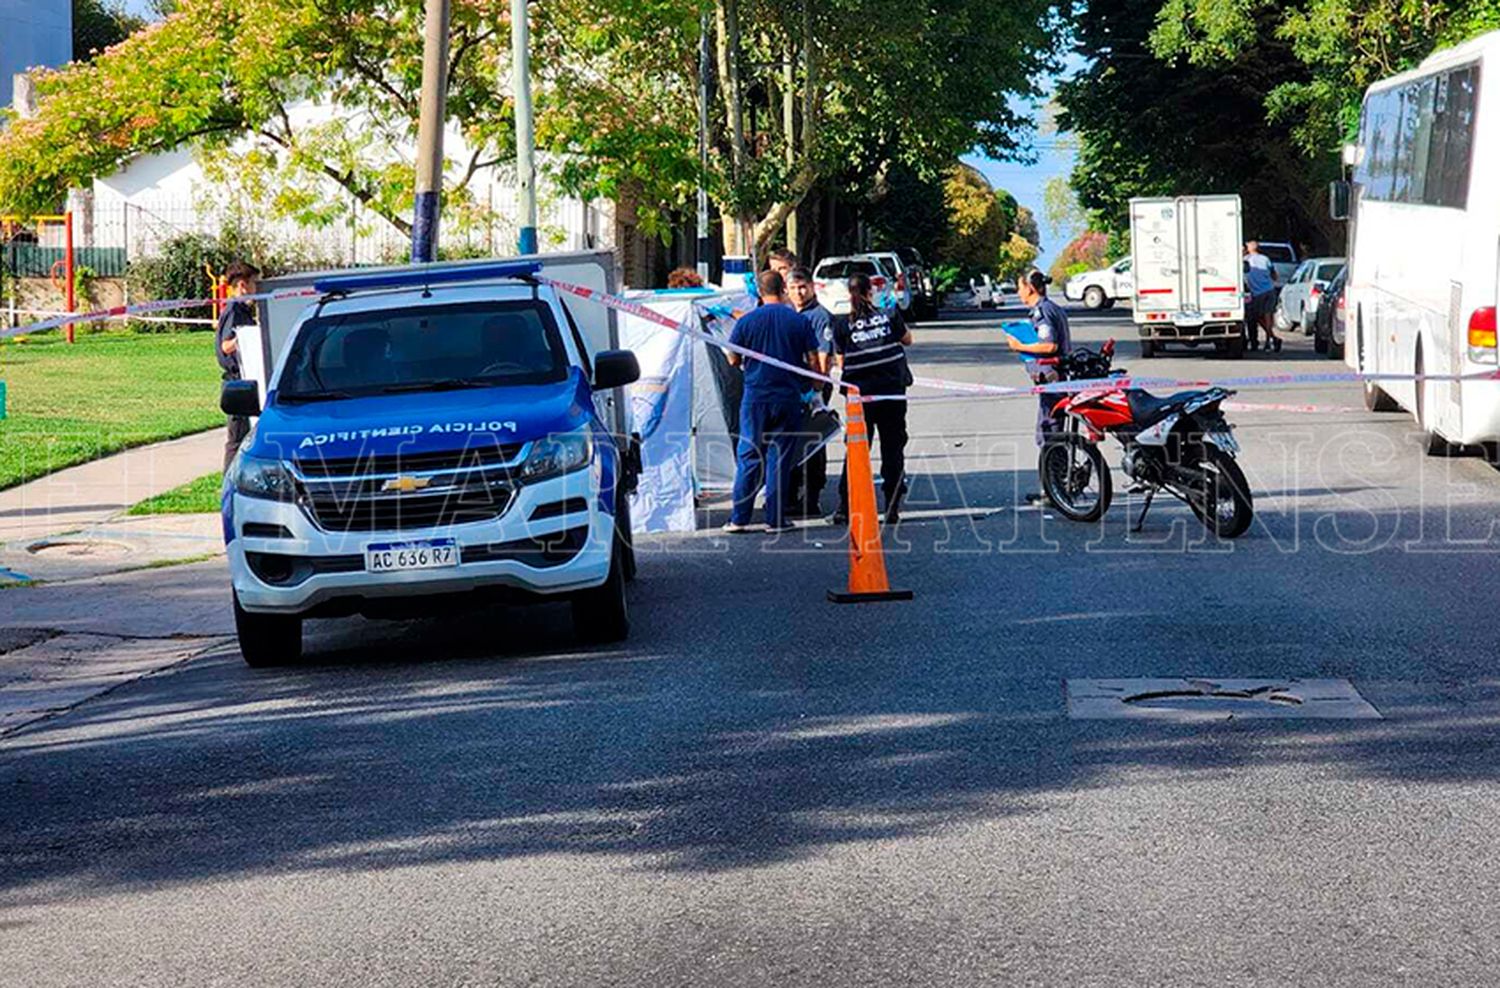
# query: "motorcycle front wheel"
[[1075, 478], [1222, 502]]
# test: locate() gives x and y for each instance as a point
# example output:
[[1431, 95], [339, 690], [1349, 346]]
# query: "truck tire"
[[1093, 297], [267, 639], [1148, 349], [1235, 348], [601, 615]]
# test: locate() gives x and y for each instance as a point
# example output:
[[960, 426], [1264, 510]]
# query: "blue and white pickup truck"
[[430, 437]]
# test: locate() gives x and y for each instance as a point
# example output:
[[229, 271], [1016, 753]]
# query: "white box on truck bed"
[[1189, 280]]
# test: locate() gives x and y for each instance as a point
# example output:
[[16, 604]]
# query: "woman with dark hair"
[[870, 346]]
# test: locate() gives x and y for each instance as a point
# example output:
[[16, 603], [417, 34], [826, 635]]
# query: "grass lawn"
[[196, 497], [110, 390]]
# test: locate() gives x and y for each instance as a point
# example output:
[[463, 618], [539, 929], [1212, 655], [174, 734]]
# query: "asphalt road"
[[763, 788]]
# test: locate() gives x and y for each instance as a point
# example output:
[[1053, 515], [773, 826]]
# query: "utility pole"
[[520, 46], [705, 70], [424, 227]]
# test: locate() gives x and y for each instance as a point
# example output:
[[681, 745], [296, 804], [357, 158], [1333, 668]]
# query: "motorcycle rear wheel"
[[1069, 466], [1224, 505]]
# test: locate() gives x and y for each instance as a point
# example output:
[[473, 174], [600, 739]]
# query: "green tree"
[[1343, 45], [1150, 126], [980, 222], [216, 71], [1061, 212]]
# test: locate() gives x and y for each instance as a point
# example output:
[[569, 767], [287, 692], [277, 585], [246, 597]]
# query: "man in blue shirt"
[[771, 410], [1260, 279]]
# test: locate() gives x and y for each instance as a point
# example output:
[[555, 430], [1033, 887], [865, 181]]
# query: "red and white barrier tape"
[[126, 311], [956, 390]]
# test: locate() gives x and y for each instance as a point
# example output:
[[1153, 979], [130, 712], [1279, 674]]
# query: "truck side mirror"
[[615, 369], [240, 398], [1338, 200]]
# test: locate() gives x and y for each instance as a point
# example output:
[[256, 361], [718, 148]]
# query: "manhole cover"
[[80, 549], [1216, 699]]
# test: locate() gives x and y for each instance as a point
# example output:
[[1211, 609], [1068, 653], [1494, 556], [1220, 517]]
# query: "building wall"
[[32, 33]]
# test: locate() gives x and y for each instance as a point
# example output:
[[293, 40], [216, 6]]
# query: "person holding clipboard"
[[1050, 324]]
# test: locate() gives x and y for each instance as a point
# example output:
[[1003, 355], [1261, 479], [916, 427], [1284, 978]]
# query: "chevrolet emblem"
[[406, 484]]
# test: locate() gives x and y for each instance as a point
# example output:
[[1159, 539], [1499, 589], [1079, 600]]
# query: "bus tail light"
[[1482, 335]]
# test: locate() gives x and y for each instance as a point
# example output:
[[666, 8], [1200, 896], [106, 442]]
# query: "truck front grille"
[[477, 456], [337, 508]]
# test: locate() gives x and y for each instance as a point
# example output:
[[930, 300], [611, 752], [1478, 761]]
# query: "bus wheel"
[[1433, 444]]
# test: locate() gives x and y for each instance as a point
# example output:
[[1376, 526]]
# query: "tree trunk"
[[728, 12], [789, 131]]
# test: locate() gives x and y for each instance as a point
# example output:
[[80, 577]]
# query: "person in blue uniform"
[[1053, 338], [870, 346], [771, 410]]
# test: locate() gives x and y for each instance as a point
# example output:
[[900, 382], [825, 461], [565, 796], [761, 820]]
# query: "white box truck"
[[1187, 256]]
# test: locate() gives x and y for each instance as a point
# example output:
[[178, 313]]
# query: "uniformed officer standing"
[[809, 478], [242, 278], [870, 345], [1053, 338]]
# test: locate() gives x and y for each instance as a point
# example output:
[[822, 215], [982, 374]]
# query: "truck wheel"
[[1235, 348], [267, 639], [1093, 297], [1335, 348], [1376, 400], [1148, 349], [600, 615], [1320, 342]]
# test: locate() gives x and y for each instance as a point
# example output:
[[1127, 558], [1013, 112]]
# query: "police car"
[[429, 439]]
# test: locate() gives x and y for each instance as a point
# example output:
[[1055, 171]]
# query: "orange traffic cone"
[[867, 579]]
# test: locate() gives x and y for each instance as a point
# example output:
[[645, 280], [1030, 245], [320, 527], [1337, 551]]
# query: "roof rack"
[[426, 277]]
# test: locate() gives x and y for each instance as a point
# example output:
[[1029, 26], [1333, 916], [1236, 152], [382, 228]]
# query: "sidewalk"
[[71, 524], [90, 493]]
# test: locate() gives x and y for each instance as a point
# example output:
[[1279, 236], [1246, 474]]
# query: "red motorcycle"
[[1180, 444]]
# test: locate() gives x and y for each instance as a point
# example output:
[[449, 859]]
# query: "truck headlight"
[[256, 477], [558, 455]]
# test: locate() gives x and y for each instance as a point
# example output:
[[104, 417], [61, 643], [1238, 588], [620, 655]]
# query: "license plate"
[[1224, 441], [386, 557]]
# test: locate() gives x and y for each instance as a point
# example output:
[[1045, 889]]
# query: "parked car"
[[831, 276], [924, 298], [899, 280], [1328, 321], [1301, 295], [985, 292], [1103, 288], [1283, 259]]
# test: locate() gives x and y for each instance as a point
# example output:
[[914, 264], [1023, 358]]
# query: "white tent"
[[685, 405]]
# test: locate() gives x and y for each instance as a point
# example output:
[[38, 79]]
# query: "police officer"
[[809, 478], [242, 278], [1053, 338], [870, 345]]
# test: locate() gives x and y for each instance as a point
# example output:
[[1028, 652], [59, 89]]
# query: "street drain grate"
[[1205, 698]]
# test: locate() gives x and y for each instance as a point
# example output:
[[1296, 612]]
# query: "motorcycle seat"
[[1147, 409]]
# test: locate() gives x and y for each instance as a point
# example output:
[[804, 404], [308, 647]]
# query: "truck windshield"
[[424, 348]]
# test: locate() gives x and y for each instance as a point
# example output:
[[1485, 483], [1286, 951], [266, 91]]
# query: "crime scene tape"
[[955, 390], [140, 308]]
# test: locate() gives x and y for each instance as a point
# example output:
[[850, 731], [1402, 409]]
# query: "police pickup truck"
[[429, 438]]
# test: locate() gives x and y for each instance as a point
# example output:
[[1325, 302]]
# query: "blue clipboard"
[[1026, 333]]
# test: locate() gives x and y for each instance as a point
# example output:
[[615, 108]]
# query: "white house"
[[32, 33]]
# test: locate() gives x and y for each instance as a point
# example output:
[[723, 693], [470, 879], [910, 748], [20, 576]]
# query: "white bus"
[[1424, 243]]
